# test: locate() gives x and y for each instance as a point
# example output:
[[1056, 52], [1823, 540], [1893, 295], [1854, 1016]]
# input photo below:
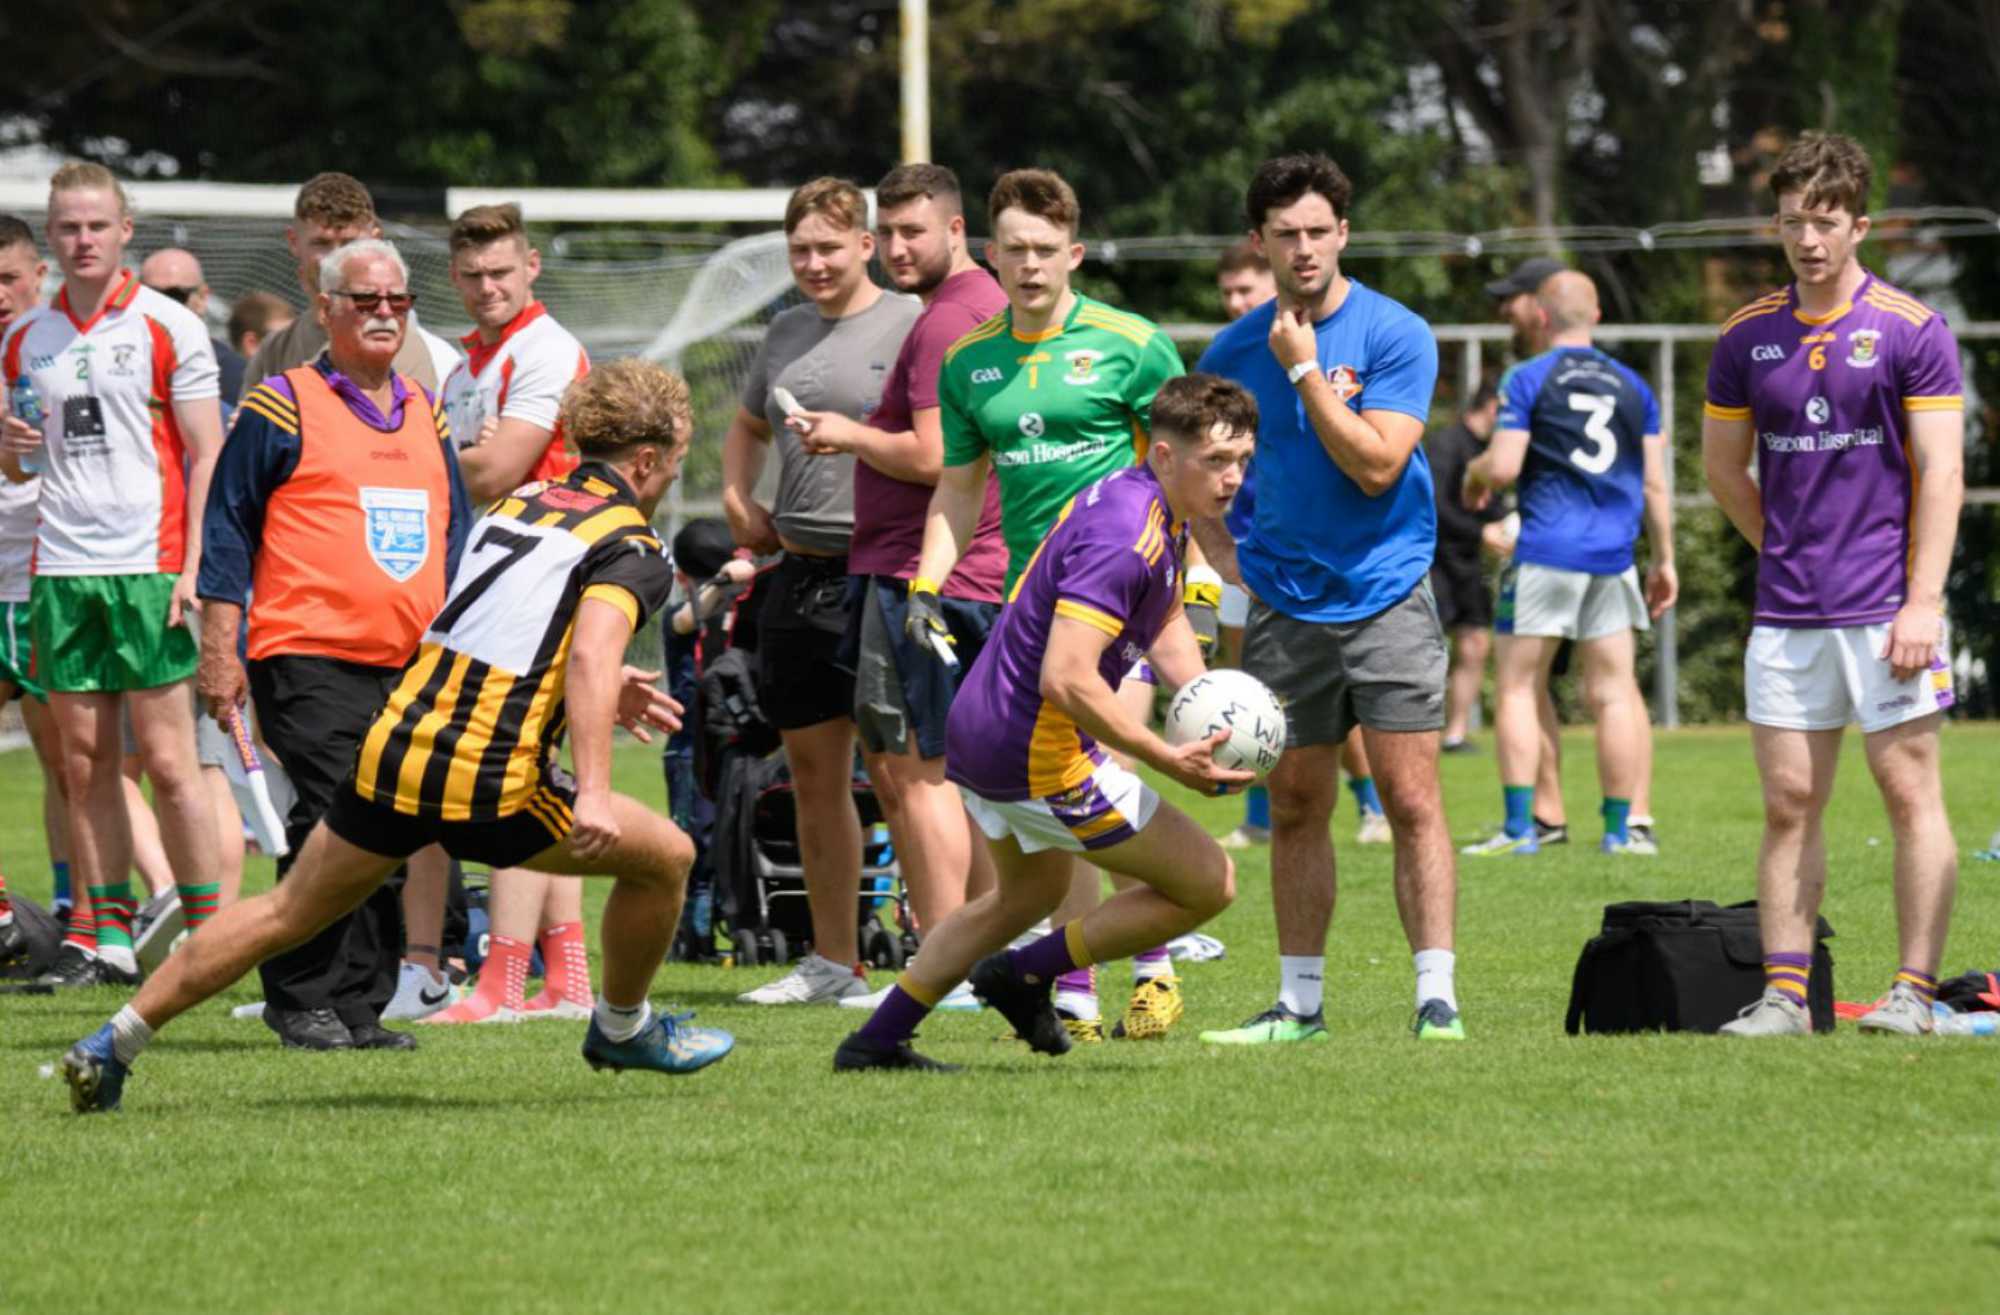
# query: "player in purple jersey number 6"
[[1846, 392], [1029, 730]]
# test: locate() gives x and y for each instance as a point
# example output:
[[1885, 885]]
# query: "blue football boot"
[[666, 1045]]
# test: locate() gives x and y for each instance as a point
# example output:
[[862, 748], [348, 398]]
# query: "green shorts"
[[104, 634], [17, 652]]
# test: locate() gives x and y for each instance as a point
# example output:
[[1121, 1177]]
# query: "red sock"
[[503, 978], [81, 929], [6, 908], [566, 963]]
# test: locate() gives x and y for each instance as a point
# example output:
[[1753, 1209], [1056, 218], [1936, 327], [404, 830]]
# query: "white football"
[[1236, 701]]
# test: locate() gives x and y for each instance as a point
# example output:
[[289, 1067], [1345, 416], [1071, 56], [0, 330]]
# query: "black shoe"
[[13, 945], [76, 966], [859, 1052], [1546, 834], [371, 1035], [1458, 746], [308, 1029], [1025, 1005]]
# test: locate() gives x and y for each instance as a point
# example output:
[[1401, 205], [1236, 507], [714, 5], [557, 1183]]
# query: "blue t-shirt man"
[[1318, 548], [1583, 482]]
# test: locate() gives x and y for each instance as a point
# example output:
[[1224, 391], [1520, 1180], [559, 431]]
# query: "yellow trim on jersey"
[[1136, 336], [1056, 761], [285, 406], [618, 596], [523, 763], [462, 778], [1827, 318], [540, 806], [548, 519], [423, 738], [1916, 316], [1714, 412], [1953, 403], [1090, 616], [266, 407], [415, 677], [611, 518], [992, 328], [1889, 294], [508, 508], [1053, 331], [1764, 305]]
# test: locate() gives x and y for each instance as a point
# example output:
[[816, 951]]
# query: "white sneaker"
[[418, 994], [1374, 829], [813, 981], [1901, 1011], [958, 1000], [1246, 837], [1774, 1015]]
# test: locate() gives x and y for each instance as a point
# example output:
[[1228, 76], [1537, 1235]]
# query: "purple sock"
[[897, 1017], [1077, 981], [1155, 962], [1051, 956]]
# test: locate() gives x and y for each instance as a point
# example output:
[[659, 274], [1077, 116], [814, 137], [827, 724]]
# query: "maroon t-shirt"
[[889, 512]]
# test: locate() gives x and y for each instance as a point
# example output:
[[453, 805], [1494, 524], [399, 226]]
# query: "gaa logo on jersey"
[[1862, 344], [398, 529], [1031, 424], [986, 374], [1082, 367], [1346, 384]]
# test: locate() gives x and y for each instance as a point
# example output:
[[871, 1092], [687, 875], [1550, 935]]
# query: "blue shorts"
[[902, 691]]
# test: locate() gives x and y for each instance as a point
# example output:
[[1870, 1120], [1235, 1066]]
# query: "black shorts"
[[800, 627], [508, 841], [902, 690], [1463, 598]]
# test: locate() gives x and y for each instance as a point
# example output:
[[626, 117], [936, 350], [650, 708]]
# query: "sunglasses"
[[399, 303], [182, 295]]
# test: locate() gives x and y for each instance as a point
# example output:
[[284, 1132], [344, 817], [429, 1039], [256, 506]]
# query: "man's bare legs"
[[1521, 677], [822, 764], [1624, 732], [1470, 646], [149, 854], [1904, 760]]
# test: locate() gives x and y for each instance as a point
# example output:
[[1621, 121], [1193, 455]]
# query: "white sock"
[[1076, 1004], [1145, 970], [129, 1034], [1434, 969], [118, 956], [7, 918], [621, 1023], [1639, 819], [1302, 983]]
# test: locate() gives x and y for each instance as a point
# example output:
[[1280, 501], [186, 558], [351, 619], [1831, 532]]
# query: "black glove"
[[1201, 599], [923, 621]]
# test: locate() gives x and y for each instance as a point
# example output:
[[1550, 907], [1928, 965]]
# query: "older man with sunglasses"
[[339, 512]]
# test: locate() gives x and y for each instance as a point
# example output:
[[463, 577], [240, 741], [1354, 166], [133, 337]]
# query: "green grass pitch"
[[1523, 1171]]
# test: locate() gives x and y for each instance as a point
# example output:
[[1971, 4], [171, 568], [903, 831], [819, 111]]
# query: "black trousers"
[[313, 712]]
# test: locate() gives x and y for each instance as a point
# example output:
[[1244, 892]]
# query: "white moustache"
[[372, 324]]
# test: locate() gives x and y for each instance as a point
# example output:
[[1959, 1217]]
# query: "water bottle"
[[1947, 1021], [26, 404], [880, 853]]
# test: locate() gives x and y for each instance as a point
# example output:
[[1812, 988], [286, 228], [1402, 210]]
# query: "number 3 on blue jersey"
[[1603, 451]]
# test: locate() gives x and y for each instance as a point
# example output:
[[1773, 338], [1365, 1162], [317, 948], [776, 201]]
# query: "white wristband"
[[1300, 371]]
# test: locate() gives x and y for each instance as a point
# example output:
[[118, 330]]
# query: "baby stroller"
[[760, 881]]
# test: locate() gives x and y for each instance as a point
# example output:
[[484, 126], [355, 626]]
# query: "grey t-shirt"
[[828, 365]]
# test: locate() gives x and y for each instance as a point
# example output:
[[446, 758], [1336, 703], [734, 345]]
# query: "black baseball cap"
[[1526, 277]]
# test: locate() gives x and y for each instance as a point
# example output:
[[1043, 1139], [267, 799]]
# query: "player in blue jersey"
[[1342, 625], [1581, 434]]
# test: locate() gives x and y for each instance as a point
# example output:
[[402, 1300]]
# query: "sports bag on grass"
[[1685, 966]]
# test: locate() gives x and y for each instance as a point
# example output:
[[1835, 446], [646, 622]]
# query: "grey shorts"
[[1385, 672], [211, 743], [901, 690], [1550, 603]]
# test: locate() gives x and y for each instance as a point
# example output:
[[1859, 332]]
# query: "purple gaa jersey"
[[1112, 561], [1828, 400]]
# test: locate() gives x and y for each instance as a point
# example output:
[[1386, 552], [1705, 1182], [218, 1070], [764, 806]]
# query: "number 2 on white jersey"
[[1603, 451]]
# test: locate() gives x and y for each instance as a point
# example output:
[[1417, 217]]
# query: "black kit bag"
[[44, 936], [1684, 966]]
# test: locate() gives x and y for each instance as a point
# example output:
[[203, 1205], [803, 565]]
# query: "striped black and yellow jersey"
[[478, 713]]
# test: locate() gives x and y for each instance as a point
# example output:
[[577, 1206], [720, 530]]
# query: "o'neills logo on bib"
[[1346, 384], [399, 529]]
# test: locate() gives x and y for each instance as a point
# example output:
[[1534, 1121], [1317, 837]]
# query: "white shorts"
[[1235, 609], [1142, 671], [1112, 806], [1819, 680], [1546, 602]]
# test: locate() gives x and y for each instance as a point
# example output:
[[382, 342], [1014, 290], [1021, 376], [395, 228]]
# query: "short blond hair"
[[621, 405], [86, 176], [836, 198]]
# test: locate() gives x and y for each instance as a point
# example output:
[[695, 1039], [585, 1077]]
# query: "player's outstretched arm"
[[1219, 546], [592, 685], [1937, 446], [744, 448], [1663, 585], [1725, 460], [953, 516], [1498, 467]]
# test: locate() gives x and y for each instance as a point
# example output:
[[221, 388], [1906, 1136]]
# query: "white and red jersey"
[[114, 486], [520, 377]]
